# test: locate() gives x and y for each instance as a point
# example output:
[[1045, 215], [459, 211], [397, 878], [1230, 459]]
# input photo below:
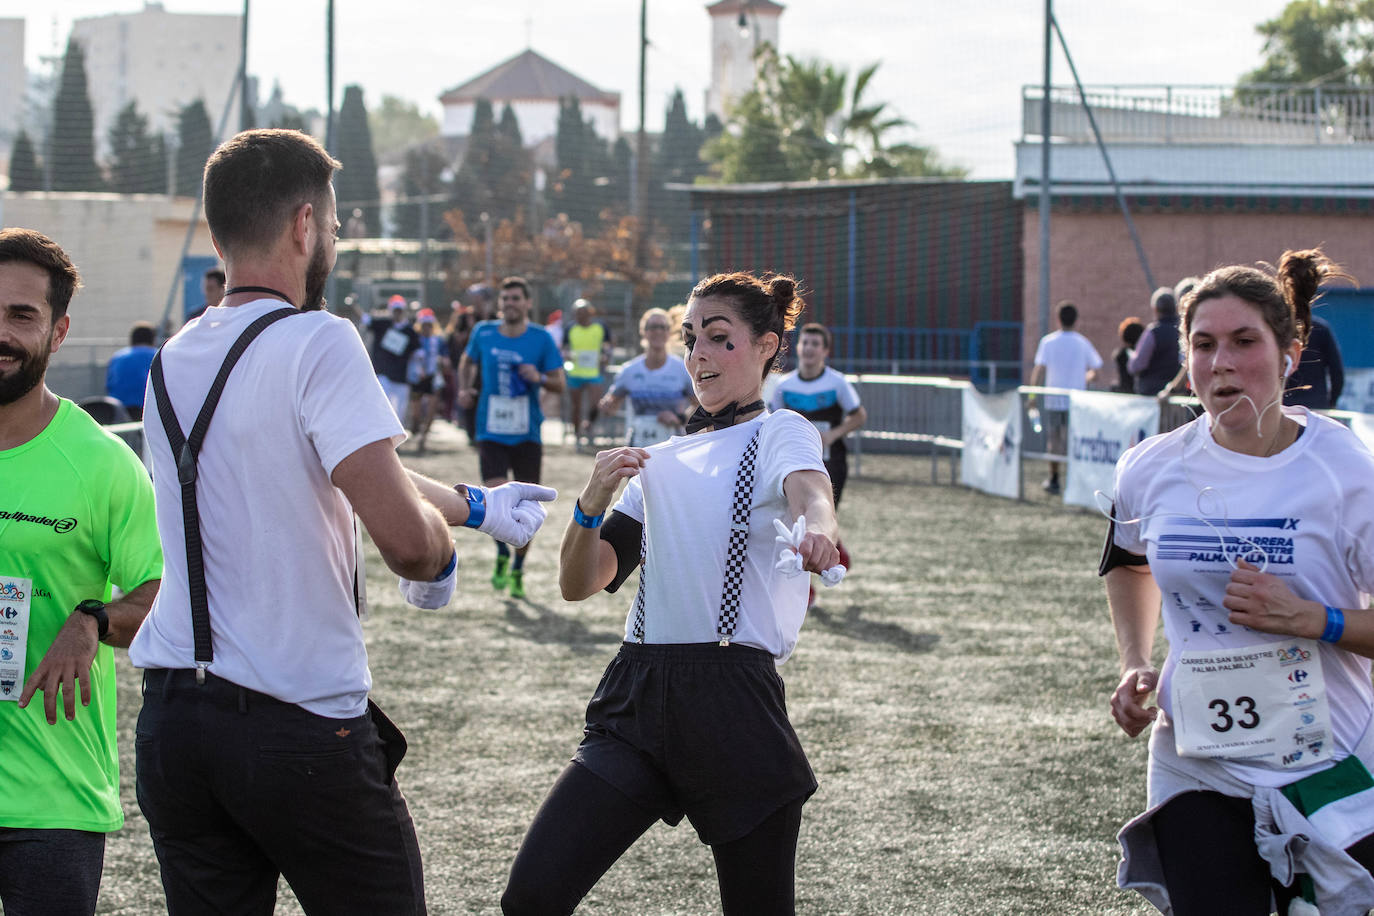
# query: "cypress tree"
[[196, 142], [25, 173], [71, 146], [135, 166], [512, 167], [356, 185]]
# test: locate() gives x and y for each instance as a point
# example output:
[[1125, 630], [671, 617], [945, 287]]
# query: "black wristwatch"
[[93, 607]]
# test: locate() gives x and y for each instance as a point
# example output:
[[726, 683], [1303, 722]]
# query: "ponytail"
[[1283, 297], [1299, 276]]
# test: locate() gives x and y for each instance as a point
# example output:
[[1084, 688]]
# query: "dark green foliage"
[[496, 171], [1315, 41], [356, 184], [25, 173], [71, 147], [423, 176], [581, 187], [678, 162], [195, 143], [620, 183], [397, 124], [805, 121], [138, 163]]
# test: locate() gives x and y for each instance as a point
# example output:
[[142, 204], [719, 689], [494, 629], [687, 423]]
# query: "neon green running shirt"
[[76, 515]]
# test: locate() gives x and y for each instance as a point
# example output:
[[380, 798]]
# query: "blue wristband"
[[1335, 624], [585, 520], [448, 569], [477, 505]]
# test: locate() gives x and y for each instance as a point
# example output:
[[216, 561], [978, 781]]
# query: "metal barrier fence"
[[923, 416]]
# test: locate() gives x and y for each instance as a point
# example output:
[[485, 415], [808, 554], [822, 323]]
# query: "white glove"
[[513, 510], [430, 595], [790, 562]]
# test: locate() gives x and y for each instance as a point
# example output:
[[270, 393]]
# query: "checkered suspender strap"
[[186, 450], [637, 630], [739, 543], [735, 552]]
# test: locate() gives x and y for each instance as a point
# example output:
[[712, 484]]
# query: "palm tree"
[[806, 114]]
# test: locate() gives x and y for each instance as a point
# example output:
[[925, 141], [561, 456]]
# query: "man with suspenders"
[[259, 754]]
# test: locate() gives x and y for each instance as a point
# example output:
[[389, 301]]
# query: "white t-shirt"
[[684, 496], [650, 391], [1067, 356], [278, 536], [1310, 508]]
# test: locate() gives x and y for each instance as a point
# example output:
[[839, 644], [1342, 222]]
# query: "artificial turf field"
[[951, 694]]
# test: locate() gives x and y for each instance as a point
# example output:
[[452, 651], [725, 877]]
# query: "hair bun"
[[782, 289]]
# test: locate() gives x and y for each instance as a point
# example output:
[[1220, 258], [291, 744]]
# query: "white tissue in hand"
[[790, 562]]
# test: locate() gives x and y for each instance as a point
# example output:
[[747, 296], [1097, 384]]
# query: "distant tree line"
[[140, 161]]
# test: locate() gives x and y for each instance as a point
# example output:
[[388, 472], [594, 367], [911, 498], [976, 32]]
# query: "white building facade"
[[738, 29], [13, 81], [161, 60]]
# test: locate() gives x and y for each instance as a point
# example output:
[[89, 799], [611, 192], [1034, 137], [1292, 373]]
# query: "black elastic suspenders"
[[186, 449], [735, 552]]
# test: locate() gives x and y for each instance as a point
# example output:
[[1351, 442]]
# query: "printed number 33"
[[1226, 722]]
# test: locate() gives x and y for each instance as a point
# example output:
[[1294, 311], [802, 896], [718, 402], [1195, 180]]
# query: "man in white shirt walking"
[[259, 752], [1064, 359]]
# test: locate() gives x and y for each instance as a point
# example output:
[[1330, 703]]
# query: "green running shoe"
[[500, 576], [517, 583]]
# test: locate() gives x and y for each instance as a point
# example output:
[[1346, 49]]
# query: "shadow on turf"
[[541, 624], [852, 624]]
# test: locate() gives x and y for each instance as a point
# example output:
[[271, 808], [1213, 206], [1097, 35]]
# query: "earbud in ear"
[[1287, 365]]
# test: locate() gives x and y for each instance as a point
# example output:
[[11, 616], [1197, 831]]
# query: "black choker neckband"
[[721, 419], [260, 289]]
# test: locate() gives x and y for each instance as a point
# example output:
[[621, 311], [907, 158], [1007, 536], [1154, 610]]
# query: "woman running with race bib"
[[1251, 529], [656, 383], [689, 718]]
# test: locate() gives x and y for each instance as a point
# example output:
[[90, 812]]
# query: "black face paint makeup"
[[729, 346]]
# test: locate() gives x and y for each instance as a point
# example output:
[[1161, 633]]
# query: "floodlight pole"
[[641, 190], [245, 102], [1045, 176], [329, 78]]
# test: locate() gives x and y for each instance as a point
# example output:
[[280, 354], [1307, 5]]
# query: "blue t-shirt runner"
[[508, 410]]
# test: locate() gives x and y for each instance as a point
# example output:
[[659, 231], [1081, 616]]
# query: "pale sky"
[[953, 68]]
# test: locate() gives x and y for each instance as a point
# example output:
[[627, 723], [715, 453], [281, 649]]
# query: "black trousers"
[[239, 788]]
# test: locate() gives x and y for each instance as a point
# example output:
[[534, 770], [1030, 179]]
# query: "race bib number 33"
[[1263, 704]]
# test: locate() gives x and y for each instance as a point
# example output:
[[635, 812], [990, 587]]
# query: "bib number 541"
[[1225, 718]]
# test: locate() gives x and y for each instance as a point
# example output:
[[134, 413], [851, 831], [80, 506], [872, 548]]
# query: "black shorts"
[[424, 386], [698, 729], [521, 461], [837, 466]]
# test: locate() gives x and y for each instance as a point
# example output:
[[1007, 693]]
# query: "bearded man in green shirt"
[[76, 520]]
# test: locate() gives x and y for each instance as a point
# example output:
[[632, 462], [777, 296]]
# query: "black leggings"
[[586, 824], [1207, 849]]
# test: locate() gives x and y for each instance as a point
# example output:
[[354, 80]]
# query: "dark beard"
[[316, 275], [32, 368]]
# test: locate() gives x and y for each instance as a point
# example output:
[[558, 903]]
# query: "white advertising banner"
[[992, 443], [1358, 393], [1101, 427]]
